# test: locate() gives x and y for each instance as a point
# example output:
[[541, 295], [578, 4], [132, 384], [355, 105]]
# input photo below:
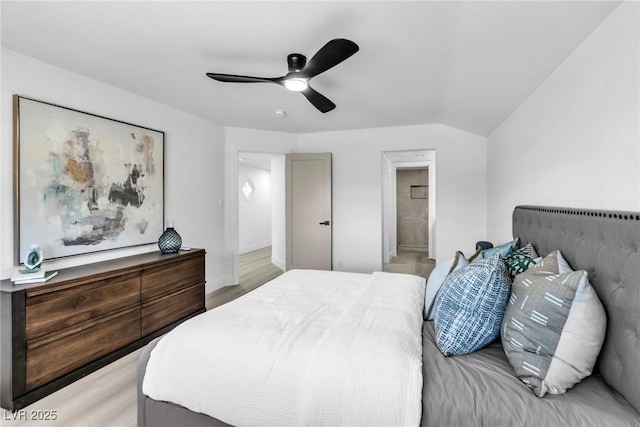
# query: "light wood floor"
[[254, 268], [411, 262], [107, 397]]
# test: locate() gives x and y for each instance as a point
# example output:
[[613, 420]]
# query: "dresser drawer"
[[171, 277], [163, 311], [49, 312], [58, 354]]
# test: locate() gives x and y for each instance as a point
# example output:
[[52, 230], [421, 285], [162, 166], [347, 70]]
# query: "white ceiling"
[[463, 64]]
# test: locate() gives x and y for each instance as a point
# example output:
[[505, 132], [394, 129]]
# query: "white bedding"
[[309, 348]]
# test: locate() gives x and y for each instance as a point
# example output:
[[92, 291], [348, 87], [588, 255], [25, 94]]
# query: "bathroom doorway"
[[419, 220], [412, 209]]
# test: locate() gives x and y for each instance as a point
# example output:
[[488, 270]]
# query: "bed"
[[309, 347], [385, 369]]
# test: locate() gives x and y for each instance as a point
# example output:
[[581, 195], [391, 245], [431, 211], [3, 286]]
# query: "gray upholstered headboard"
[[605, 244]]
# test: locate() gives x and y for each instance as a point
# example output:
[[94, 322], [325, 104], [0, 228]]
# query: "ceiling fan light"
[[296, 84]]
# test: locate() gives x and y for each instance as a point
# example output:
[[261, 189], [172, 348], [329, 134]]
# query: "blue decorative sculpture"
[[33, 259]]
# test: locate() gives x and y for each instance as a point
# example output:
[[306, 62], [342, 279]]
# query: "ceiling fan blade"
[[330, 55], [232, 78], [318, 100]]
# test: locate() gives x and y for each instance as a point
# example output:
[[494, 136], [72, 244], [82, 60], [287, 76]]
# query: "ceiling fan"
[[301, 71]]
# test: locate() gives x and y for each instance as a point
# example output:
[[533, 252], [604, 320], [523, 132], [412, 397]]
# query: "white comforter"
[[310, 348]]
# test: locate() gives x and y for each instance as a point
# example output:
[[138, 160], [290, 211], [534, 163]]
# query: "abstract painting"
[[84, 183]]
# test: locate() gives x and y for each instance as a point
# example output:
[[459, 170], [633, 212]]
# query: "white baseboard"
[[390, 255], [254, 247], [278, 263], [217, 283]]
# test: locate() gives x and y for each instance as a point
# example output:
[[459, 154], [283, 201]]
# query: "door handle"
[[325, 223]]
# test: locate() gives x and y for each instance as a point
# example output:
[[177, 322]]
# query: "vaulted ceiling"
[[463, 64]]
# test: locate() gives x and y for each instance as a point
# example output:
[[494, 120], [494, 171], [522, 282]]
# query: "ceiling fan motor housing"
[[296, 62]]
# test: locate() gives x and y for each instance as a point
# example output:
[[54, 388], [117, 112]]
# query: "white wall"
[[194, 158], [278, 212], [257, 141], [357, 188], [254, 220], [389, 210], [575, 141]]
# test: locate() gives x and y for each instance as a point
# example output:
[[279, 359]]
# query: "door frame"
[[231, 202], [391, 162]]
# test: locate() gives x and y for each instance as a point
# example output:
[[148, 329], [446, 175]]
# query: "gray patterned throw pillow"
[[553, 328]]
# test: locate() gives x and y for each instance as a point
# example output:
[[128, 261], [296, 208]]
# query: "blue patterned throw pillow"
[[469, 307]]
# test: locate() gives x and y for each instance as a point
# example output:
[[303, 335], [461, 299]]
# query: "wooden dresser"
[[56, 332]]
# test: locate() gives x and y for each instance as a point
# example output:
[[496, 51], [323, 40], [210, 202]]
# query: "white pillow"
[[440, 273], [436, 278]]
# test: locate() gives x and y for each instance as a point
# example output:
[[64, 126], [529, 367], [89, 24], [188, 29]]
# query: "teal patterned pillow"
[[521, 260], [469, 307]]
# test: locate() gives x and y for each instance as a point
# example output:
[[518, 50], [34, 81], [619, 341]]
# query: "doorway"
[[412, 209], [260, 217], [423, 192], [255, 202]]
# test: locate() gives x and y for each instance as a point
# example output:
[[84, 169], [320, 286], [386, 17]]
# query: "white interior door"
[[308, 207]]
